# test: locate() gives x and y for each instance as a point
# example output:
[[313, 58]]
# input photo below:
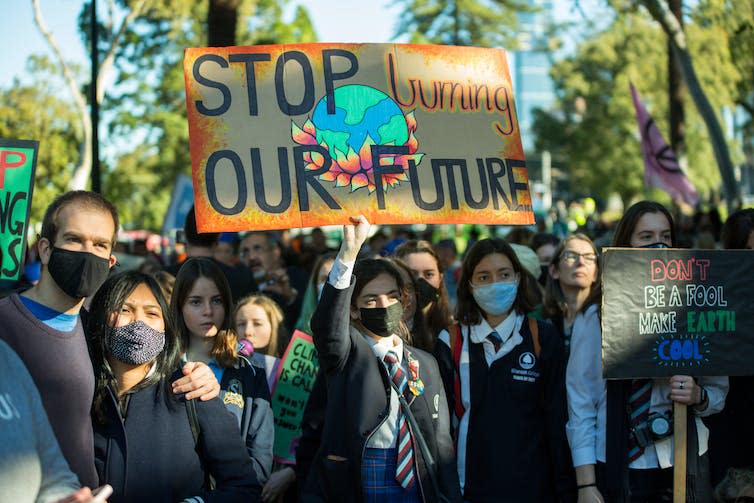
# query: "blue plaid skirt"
[[378, 479]]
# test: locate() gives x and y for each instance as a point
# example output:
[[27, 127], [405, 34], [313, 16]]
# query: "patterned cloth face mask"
[[136, 343]]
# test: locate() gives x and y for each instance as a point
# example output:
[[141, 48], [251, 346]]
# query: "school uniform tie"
[[404, 470], [639, 400], [496, 340]]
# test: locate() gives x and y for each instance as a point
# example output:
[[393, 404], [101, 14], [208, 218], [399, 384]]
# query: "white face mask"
[[495, 298]]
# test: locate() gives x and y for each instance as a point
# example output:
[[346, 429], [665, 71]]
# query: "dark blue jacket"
[[150, 454], [358, 390], [244, 392]]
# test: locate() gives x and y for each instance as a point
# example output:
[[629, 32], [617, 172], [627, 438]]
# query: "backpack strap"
[[534, 329], [193, 420], [456, 346]]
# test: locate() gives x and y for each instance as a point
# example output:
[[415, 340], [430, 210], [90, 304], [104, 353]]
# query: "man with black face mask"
[[43, 324]]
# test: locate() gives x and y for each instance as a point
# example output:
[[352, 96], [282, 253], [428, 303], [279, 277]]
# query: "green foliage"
[[36, 111], [484, 23], [594, 133], [148, 99]]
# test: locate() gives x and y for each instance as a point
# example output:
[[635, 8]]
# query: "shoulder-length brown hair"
[[440, 316], [279, 336], [224, 348], [554, 300], [468, 311], [627, 223]]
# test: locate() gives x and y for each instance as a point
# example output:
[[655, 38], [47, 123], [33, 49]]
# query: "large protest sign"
[[667, 312], [305, 135], [296, 375], [18, 162]]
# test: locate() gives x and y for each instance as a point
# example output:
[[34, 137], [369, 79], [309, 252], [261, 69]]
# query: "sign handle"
[[680, 410]]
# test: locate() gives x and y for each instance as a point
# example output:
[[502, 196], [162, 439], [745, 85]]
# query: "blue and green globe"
[[359, 111]]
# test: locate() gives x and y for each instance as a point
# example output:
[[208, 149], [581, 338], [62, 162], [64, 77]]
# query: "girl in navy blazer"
[[355, 329]]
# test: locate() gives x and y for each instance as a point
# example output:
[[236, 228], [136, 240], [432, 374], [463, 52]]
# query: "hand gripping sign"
[[305, 135]]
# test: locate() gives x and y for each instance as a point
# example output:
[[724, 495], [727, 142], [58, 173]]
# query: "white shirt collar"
[[384, 344], [509, 331]]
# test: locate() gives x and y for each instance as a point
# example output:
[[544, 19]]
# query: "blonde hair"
[[278, 333]]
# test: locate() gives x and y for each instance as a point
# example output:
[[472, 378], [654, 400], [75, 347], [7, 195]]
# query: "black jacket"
[[516, 445], [245, 393], [150, 454], [357, 402]]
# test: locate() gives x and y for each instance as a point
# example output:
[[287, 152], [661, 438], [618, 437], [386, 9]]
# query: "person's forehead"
[[492, 262], [382, 284], [254, 239], [578, 245], [652, 222], [84, 219], [421, 260], [204, 286]]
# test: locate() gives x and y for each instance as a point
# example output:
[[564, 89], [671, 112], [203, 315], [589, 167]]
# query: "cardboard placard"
[[18, 162], [667, 312], [307, 135], [296, 374]]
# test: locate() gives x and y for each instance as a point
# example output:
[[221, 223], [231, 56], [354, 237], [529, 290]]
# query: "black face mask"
[[78, 274], [427, 293], [382, 321], [655, 245]]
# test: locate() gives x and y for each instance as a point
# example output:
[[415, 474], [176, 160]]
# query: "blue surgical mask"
[[495, 298]]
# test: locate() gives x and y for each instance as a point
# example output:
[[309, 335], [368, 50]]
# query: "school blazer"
[[358, 389]]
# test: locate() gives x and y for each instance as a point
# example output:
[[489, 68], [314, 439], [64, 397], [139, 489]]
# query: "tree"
[[485, 23], [677, 37], [594, 132], [113, 35], [36, 112], [149, 97]]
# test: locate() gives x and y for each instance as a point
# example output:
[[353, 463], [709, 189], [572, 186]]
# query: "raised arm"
[[331, 320]]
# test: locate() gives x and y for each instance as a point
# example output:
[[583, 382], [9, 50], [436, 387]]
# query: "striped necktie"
[[496, 340], [404, 470], [641, 395]]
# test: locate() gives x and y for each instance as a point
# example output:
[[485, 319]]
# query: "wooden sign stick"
[[680, 443]]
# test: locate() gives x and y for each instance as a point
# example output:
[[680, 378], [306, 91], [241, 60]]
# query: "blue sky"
[[368, 21]]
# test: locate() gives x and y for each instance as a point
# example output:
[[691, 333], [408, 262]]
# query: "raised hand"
[[354, 235]]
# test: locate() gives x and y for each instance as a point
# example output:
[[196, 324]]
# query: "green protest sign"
[[18, 160], [296, 374]]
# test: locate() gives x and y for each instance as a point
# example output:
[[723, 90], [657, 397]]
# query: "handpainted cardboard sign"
[[667, 312], [18, 162], [306, 135], [296, 374]]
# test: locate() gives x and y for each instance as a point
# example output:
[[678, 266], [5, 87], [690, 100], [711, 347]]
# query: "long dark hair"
[[418, 334], [106, 304], [737, 229], [468, 311], [632, 215], [224, 348], [368, 269], [440, 316], [554, 300]]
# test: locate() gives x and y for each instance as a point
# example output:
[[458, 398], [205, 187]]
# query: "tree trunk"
[[676, 92], [677, 37], [222, 18]]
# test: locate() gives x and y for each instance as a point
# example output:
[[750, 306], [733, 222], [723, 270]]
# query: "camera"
[[658, 425]]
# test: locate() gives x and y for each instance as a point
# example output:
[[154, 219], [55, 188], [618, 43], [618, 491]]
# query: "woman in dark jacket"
[[202, 306], [505, 376], [366, 452], [144, 444]]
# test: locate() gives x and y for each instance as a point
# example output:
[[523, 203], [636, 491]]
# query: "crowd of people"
[[469, 376]]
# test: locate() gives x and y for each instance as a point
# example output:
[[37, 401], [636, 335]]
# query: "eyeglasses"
[[570, 257]]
